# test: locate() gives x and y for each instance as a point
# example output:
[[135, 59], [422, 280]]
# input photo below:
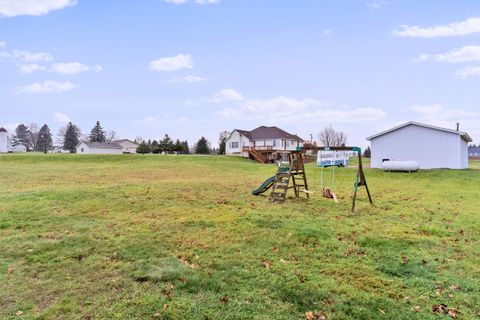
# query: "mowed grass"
[[180, 237]]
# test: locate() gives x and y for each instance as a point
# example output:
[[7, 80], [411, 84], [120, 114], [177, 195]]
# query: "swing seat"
[[307, 191], [327, 193]]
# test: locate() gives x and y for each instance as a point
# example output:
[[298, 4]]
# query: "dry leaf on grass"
[[315, 316], [267, 263]]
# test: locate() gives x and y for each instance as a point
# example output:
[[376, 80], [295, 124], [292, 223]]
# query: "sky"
[[193, 68]]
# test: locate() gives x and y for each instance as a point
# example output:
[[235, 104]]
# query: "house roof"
[[124, 140], [3, 130], [464, 135], [102, 145], [264, 132], [473, 149]]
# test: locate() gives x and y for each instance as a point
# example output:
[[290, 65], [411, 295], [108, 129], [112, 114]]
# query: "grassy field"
[[165, 237]]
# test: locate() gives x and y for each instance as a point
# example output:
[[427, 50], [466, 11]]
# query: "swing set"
[[291, 169], [337, 158]]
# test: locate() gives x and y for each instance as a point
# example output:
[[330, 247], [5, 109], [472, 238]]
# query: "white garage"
[[85, 147], [432, 147]]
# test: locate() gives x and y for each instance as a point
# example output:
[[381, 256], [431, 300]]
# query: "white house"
[[261, 143], [86, 147], [127, 145], [4, 141], [432, 147]]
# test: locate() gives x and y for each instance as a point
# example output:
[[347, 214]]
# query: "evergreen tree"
[[44, 139], [185, 148], [97, 134], [166, 144], [222, 142], [155, 147], [178, 146], [202, 146], [71, 138], [367, 153], [143, 148], [22, 135]]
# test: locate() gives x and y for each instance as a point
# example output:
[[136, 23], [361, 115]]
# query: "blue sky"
[[197, 67]]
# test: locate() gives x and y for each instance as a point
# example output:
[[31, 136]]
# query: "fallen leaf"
[[224, 299], [275, 249], [10, 270], [267, 263], [157, 315], [315, 316], [19, 313], [439, 308], [417, 308], [165, 306], [404, 259], [454, 287], [452, 312]]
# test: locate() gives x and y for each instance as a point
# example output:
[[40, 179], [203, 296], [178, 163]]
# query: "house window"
[[82, 149], [234, 145], [274, 143]]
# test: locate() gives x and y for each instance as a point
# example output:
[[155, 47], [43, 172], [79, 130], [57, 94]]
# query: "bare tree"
[[111, 135], [330, 137], [32, 135]]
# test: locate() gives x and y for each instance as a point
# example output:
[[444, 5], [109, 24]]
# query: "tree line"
[[168, 145], [69, 137]]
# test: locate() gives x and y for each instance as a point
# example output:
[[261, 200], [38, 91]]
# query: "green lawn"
[[166, 237]]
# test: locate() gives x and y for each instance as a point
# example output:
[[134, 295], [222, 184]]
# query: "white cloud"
[[227, 95], [28, 56], [12, 8], [46, 87], [61, 118], [180, 61], [188, 79], [456, 29], [3, 44], [30, 68], [457, 55], [468, 72], [72, 68], [377, 4], [289, 110]]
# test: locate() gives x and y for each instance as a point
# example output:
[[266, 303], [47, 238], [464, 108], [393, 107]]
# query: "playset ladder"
[[295, 172]]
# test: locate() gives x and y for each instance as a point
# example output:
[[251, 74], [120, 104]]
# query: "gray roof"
[[464, 135], [102, 145], [264, 132], [3, 130], [124, 140], [473, 149]]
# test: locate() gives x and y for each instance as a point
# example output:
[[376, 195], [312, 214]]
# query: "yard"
[[166, 237]]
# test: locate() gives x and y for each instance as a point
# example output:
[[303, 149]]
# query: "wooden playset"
[[291, 174]]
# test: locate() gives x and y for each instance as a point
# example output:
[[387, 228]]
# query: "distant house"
[[86, 147], [261, 143], [4, 141], [474, 152], [127, 145], [432, 147], [9, 145], [114, 147]]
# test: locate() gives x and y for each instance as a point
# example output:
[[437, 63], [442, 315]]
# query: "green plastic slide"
[[264, 187]]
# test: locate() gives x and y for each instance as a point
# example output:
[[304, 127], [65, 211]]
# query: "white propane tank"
[[400, 165]]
